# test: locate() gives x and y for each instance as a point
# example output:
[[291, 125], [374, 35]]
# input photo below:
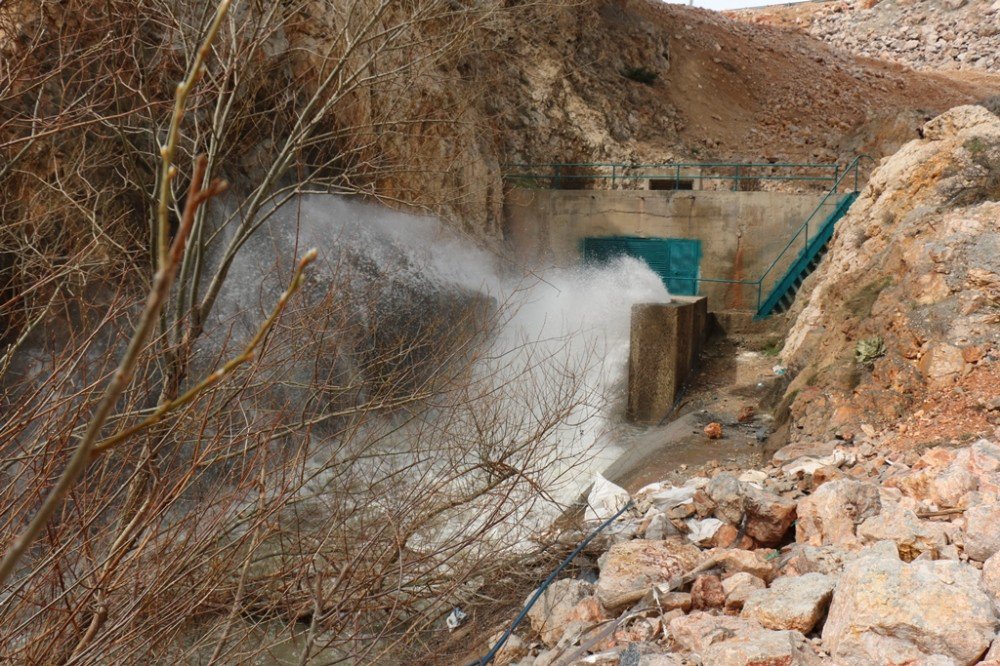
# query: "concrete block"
[[666, 339]]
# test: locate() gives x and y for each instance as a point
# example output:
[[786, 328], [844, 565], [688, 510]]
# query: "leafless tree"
[[178, 487]]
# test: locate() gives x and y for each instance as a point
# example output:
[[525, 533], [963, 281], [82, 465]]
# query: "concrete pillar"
[[666, 339]]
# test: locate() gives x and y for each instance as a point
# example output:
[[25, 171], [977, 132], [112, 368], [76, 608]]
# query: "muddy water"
[[730, 380]]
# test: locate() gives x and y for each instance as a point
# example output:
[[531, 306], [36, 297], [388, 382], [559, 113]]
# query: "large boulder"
[[760, 647], [885, 611], [911, 535], [831, 515], [636, 565], [792, 602], [766, 517], [563, 602], [982, 531]]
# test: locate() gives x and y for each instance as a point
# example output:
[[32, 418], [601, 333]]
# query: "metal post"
[[836, 174], [558, 179], [677, 177], [736, 179], [857, 164], [614, 170]]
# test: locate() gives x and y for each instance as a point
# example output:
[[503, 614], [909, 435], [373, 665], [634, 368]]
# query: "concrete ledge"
[[666, 339]]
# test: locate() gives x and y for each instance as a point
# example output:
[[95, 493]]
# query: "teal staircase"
[[781, 296]]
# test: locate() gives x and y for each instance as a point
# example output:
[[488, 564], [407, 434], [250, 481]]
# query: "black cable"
[[483, 661]]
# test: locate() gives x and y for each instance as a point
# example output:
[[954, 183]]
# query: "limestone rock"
[[942, 365], [803, 559], [805, 449], [830, 515], [768, 516], [887, 611], [756, 562], [738, 587], [639, 564], [707, 592], [726, 491], [793, 602], [673, 601], [991, 579], [698, 631], [982, 531], [564, 601], [659, 660], [911, 535], [761, 647]]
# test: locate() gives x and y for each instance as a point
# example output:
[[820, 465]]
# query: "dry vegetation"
[[180, 486]]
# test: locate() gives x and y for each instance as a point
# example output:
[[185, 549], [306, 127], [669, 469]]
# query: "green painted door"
[[675, 260]]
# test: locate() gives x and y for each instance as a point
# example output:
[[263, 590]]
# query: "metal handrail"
[[561, 172], [854, 167]]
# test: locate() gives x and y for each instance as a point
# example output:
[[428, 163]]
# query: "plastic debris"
[[663, 496], [455, 618], [605, 500], [779, 370], [702, 530], [807, 466]]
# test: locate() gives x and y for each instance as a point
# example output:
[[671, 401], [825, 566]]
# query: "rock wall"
[[907, 302]]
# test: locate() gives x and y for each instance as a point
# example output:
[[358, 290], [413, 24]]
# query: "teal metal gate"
[[675, 260]]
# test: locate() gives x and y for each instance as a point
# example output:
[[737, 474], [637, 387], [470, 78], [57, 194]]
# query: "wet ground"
[[734, 379]]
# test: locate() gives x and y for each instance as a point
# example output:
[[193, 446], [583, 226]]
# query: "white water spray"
[[559, 322]]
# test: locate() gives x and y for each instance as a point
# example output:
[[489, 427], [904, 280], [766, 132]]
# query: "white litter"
[[807, 466], [702, 530], [455, 618], [605, 500], [663, 496]]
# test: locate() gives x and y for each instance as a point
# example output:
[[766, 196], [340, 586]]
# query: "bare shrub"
[[207, 488]]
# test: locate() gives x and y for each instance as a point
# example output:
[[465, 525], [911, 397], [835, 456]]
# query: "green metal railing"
[[741, 175], [831, 202]]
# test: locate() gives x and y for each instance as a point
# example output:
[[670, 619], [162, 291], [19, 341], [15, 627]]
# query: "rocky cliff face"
[[904, 315]]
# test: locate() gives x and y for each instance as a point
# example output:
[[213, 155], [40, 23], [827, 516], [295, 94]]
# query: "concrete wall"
[[741, 233], [666, 340]]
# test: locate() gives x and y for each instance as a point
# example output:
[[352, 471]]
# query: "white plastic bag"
[[702, 530], [605, 500]]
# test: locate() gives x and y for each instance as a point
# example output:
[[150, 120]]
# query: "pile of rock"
[[835, 556], [953, 34]]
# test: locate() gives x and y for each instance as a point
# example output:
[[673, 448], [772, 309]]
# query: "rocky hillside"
[[923, 34], [648, 81], [900, 334]]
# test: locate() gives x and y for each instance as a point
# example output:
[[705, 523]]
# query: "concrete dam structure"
[[725, 251], [731, 236]]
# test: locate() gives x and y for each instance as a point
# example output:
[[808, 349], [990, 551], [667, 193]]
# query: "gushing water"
[[562, 340]]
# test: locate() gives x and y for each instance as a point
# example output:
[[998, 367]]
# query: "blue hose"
[[483, 661]]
